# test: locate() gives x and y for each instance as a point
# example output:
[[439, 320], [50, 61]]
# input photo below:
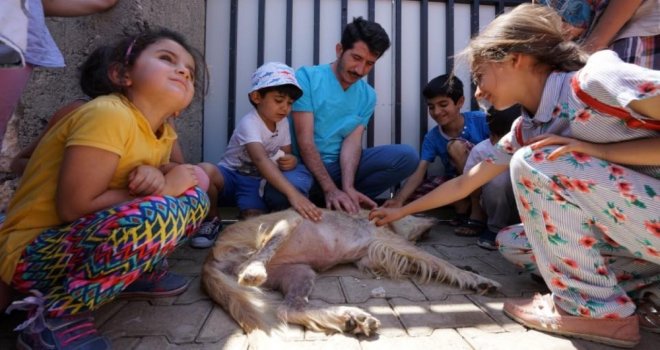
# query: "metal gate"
[[241, 35]]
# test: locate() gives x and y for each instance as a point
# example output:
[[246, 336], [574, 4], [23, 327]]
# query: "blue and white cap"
[[273, 74]]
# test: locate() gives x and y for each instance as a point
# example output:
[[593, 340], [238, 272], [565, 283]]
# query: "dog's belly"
[[326, 244]]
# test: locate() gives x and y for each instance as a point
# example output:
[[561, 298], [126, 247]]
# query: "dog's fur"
[[282, 251]]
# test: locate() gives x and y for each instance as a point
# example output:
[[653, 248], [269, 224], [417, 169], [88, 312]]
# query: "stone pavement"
[[412, 315]]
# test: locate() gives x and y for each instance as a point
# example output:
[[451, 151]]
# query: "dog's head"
[[411, 227]]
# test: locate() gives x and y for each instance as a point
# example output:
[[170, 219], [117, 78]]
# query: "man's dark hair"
[[499, 122], [444, 85], [287, 89], [371, 33]]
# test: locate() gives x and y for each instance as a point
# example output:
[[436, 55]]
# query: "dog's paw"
[[253, 274], [486, 285], [359, 322]]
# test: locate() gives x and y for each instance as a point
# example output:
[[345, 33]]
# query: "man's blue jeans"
[[380, 168]]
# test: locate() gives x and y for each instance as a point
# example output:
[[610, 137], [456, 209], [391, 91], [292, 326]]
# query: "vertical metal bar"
[[289, 31], [449, 35], [499, 7], [344, 14], [261, 31], [371, 78], [474, 30], [317, 31], [423, 66], [397, 72], [233, 40]]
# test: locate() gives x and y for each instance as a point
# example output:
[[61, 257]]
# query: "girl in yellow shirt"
[[99, 207]]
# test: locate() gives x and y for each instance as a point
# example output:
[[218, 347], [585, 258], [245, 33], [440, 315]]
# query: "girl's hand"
[[179, 179], [393, 203], [287, 162], [305, 208], [383, 216], [145, 180], [566, 145]]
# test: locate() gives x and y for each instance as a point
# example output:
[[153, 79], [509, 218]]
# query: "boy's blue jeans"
[[380, 168]]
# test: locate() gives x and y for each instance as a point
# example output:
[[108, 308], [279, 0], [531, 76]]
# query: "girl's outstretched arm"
[[449, 192], [634, 152], [84, 181]]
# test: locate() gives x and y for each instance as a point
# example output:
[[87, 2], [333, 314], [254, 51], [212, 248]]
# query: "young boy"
[[259, 150], [494, 201], [451, 141]]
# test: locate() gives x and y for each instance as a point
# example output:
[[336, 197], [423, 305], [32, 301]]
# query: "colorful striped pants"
[[86, 264], [592, 228]]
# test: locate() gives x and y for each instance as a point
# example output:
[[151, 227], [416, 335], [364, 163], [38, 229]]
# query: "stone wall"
[[76, 37]]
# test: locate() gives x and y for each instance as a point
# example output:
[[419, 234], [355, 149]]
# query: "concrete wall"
[[77, 37]]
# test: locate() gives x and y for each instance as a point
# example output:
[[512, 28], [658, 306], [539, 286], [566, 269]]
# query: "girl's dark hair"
[[529, 29], [94, 72]]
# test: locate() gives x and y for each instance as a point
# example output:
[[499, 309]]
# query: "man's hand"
[[361, 200], [383, 216], [287, 162], [145, 180], [339, 200]]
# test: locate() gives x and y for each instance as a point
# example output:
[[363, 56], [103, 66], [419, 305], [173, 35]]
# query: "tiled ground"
[[412, 315]]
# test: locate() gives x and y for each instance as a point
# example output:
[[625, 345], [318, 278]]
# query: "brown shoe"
[[541, 314]]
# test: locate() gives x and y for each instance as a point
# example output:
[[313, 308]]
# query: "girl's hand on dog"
[[145, 180], [305, 208], [383, 216]]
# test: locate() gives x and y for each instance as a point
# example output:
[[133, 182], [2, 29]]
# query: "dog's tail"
[[249, 306]]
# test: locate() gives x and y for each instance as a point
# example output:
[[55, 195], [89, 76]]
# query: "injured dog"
[[283, 251]]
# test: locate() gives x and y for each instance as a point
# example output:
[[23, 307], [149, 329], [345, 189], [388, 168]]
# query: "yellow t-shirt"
[[110, 123]]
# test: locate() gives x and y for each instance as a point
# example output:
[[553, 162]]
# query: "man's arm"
[[304, 126], [349, 159]]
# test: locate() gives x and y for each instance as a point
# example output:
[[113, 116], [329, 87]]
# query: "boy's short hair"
[[499, 122], [444, 85], [275, 76]]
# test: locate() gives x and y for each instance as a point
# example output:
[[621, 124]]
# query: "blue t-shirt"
[[337, 112], [475, 130]]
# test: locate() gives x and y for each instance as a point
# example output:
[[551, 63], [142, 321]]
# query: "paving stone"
[[501, 265], [493, 307], [360, 290], [444, 234], [440, 290], [179, 323], [329, 290], [516, 341], [186, 252], [193, 294], [187, 267], [332, 342], [441, 339], [126, 343], [454, 252], [238, 342], [219, 325], [475, 264], [108, 310], [420, 319]]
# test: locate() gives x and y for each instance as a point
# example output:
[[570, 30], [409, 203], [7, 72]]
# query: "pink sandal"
[[540, 313]]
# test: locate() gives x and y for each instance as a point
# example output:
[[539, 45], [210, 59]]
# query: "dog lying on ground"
[[283, 251]]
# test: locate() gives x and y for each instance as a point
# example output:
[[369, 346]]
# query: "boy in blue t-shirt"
[[451, 141]]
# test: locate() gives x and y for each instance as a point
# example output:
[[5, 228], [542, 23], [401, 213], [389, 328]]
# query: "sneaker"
[[540, 313], [487, 240], [207, 234], [64, 333], [157, 284]]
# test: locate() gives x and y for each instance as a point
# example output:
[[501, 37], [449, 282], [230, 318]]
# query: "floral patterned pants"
[[592, 228], [84, 265]]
